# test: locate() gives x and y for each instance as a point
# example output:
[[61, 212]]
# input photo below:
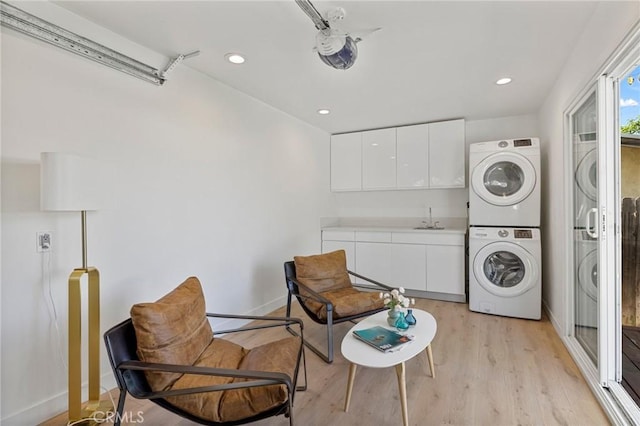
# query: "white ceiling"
[[431, 61]]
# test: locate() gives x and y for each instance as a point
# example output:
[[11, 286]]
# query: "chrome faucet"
[[429, 224]]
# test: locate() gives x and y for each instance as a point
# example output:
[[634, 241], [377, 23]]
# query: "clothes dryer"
[[586, 279], [585, 191], [504, 183], [505, 272]]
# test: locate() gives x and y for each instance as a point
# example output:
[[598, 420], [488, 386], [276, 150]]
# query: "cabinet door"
[[412, 151], [346, 162], [348, 246], [409, 266], [379, 159], [445, 269], [446, 154], [373, 260]]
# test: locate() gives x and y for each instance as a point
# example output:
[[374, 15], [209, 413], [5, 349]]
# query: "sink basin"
[[429, 227]]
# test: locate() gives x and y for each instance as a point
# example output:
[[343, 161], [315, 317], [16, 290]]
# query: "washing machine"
[[504, 183], [505, 271], [586, 278], [585, 179]]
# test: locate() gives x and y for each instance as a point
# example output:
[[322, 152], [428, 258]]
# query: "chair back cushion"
[[173, 330], [323, 272]]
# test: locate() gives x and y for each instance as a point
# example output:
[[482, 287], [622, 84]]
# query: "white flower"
[[413, 301], [395, 300], [381, 295]]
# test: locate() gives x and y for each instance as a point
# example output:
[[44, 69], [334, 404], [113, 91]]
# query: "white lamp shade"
[[67, 182]]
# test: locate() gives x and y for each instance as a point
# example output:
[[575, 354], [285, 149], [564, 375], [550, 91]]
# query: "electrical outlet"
[[43, 241]]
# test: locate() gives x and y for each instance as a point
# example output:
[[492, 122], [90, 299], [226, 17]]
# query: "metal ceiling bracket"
[[308, 8], [176, 61], [19, 20]]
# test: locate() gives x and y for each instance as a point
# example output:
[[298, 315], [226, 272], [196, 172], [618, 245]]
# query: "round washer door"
[[588, 274], [587, 175], [503, 179], [505, 269]]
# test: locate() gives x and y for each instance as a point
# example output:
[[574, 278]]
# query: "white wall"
[[609, 24], [444, 202], [203, 181]]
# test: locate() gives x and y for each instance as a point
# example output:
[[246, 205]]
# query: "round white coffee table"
[[359, 353]]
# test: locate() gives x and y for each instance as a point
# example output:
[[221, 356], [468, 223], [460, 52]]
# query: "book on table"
[[383, 339]]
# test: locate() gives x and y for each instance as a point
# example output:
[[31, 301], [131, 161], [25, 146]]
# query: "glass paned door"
[[583, 121]]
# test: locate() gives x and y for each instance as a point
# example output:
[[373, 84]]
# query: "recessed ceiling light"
[[323, 111], [234, 58], [505, 80]]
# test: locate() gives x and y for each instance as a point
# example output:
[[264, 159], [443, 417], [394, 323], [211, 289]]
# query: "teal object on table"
[[401, 322], [410, 319]]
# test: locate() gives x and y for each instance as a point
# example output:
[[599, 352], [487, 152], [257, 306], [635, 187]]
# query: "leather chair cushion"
[[173, 330], [231, 405], [323, 272], [346, 302]]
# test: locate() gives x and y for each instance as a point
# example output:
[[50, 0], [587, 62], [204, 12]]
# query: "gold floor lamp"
[[66, 184]]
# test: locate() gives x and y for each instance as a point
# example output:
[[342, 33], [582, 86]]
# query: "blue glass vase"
[[401, 322], [409, 318]]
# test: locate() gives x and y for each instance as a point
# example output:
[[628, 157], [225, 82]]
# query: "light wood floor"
[[490, 370]]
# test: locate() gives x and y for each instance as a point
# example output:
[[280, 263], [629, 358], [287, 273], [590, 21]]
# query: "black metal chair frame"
[[294, 286], [129, 371]]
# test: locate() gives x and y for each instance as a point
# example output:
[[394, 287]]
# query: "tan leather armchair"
[[167, 352], [322, 285]]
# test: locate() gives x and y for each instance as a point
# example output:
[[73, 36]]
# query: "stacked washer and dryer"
[[585, 240], [505, 276]]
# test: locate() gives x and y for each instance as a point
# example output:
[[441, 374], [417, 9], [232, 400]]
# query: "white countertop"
[[451, 225]]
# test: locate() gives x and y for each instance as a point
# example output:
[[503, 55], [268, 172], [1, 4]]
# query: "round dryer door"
[[505, 269], [503, 179], [588, 274], [587, 175]]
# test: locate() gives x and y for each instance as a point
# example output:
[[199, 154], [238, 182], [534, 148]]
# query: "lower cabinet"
[[409, 266], [432, 264], [373, 260], [445, 273]]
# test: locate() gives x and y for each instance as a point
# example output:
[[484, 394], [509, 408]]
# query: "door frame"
[[604, 379]]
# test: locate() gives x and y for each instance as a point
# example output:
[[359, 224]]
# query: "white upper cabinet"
[[446, 154], [379, 159], [346, 162], [420, 156], [412, 149]]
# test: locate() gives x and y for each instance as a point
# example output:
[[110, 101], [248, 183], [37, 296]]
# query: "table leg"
[[430, 359], [402, 386], [352, 375]]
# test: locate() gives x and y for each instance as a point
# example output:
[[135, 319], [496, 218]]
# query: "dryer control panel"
[[522, 233], [521, 142]]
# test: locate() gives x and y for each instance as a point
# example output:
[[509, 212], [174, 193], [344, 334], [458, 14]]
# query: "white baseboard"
[[553, 319]]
